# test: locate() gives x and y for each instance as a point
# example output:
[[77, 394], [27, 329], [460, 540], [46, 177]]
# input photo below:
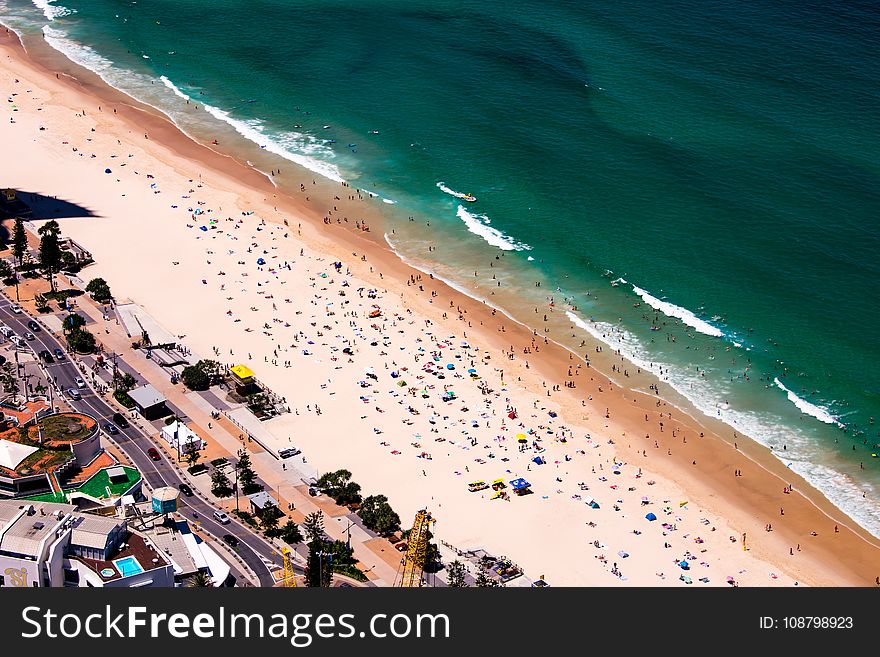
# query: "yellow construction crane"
[[416, 551], [288, 578]]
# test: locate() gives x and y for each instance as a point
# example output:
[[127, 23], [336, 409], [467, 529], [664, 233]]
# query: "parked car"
[[154, 454], [46, 356], [221, 517], [185, 489], [29, 336], [80, 383], [16, 309], [8, 332], [111, 428], [33, 326], [230, 540], [18, 342], [59, 354], [120, 421], [73, 393], [288, 452]]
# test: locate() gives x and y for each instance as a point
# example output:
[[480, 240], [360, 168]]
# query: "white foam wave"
[[296, 147], [50, 11], [177, 92], [285, 145], [678, 312], [806, 407], [451, 191], [88, 58], [802, 454], [478, 224]]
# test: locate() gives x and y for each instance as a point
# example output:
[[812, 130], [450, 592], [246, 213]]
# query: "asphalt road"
[[253, 550]]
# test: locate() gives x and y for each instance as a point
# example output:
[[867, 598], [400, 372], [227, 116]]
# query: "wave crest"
[[478, 224], [678, 312]]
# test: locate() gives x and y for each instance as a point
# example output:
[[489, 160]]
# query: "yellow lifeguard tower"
[[243, 376]]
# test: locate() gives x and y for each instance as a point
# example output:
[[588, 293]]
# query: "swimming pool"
[[128, 566]]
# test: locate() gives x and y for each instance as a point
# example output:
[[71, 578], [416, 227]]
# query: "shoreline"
[[740, 504]]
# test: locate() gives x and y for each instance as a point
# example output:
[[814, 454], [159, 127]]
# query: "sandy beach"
[[416, 388]]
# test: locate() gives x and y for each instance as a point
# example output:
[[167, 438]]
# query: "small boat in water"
[[469, 197]]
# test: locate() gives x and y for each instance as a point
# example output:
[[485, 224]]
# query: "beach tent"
[[106, 170], [520, 486], [538, 460], [260, 261], [651, 517]]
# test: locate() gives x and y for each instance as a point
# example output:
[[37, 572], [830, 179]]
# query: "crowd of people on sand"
[[422, 391]]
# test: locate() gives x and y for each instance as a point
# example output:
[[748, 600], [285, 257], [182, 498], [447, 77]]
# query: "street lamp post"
[[321, 554]]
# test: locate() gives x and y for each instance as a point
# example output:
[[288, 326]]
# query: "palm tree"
[[199, 580]]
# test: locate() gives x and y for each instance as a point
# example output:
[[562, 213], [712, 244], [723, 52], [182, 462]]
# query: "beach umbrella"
[[651, 517], [106, 170], [260, 261], [450, 366], [684, 565]]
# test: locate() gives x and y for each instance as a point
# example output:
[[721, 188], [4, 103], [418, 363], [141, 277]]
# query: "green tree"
[[50, 250], [319, 566], [198, 580], [340, 487], [195, 378], [8, 377], [313, 526], [81, 341], [19, 240], [6, 270], [73, 322], [455, 575], [68, 261], [99, 289], [41, 302], [269, 518], [290, 533], [192, 457], [246, 476], [486, 582], [378, 515], [126, 382], [220, 483]]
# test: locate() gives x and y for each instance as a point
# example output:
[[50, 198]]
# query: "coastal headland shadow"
[[31, 205]]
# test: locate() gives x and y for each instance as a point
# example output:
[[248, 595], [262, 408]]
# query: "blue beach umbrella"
[[651, 517]]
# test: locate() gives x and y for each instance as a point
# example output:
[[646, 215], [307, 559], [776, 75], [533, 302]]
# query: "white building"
[[181, 438], [44, 544]]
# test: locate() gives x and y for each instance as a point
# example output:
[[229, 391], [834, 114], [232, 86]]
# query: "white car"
[[29, 336], [80, 383], [16, 309]]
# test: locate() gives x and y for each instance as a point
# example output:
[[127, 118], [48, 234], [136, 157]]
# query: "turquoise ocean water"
[[700, 179]]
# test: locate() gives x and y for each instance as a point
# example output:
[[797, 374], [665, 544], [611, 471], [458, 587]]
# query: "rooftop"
[[98, 486], [62, 429], [94, 531], [11, 454], [261, 499], [27, 525], [135, 546], [242, 372], [146, 396]]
